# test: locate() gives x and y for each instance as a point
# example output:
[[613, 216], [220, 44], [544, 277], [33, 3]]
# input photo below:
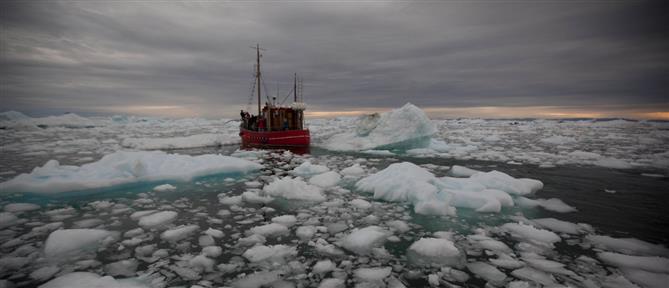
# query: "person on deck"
[[285, 124], [261, 124]]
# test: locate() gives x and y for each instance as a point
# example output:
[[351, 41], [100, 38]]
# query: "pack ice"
[[400, 128], [430, 195], [124, 167]]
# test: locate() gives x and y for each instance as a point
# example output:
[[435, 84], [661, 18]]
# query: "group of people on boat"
[[257, 123]]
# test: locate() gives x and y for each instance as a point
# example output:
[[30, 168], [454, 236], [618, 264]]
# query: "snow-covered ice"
[[124, 167]]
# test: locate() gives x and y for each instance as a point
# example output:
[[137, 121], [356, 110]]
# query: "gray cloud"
[[104, 57]]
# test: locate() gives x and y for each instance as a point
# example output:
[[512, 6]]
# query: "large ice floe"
[[406, 127], [431, 195], [124, 167]]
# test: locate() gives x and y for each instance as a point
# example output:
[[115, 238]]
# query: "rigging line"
[[265, 86], [286, 98], [248, 104]]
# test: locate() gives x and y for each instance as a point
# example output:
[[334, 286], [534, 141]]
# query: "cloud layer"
[[183, 59]]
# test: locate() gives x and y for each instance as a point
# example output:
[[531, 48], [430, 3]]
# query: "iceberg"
[[405, 128], [482, 191], [193, 141], [124, 167]]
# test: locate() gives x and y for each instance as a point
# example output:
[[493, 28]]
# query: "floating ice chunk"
[[372, 274], [327, 179], [230, 200], [407, 127], [432, 207], [44, 273], [179, 233], [559, 226], [628, 246], [66, 243], [87, 223], [529, 233], [258, 279], [294, 189], [647, 263], [332, 283], [400, 182], [323, 266], [647, 279], [360, 204], [584, 155], [89, 280], [285, 220], [272, 229], [558, 140], [613, 163], [534, 275], [202, 263], [123, 167], [251, 240], [254, 197], [487, 272], [460, 171], [212, 251], [548, 266], [502, 181], [7, 219], [158, 220], [305, 232], [308, 169], [139, 214], [21, 207], [399, 226], [362, 241], [192, 141], [164, 187], [125, 268], [555, 205], [552, 204], [506, 261], [438, 251], [272, 253], [378, 152], [214, 233], [354, 170]]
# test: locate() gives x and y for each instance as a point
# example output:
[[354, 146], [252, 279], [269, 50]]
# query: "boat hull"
[[288, 138]]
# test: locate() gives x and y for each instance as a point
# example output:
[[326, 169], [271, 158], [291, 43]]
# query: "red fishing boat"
[[275, 125]]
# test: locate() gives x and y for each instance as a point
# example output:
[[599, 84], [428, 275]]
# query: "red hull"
[[288, 138]]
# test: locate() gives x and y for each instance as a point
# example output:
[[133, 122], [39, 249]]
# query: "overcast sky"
[[475, 59]]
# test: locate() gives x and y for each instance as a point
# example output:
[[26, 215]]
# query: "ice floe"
[[404, 127], [124, 167]]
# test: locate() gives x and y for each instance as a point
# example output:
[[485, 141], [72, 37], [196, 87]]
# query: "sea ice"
[[124, 167], [362, 241], [294, 189], [404, 127], [327, 179], [67, 243], [90, 280], [272, 229], [435, 251], [179, 233], [376, 274], [272, 253], [192, 141], [157, 220], [308, 169], [164, 187], [628, 246], [529, 233], [487, 272], [21, 207]]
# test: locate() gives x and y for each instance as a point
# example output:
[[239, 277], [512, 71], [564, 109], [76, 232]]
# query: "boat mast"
[[295, 88], [258, 74]]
